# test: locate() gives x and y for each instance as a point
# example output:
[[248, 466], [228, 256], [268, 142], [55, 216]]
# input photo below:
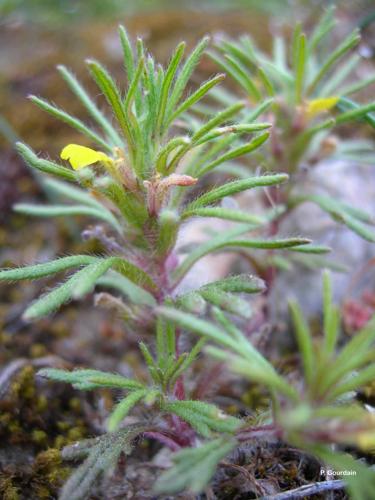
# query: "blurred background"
[[36, 35]]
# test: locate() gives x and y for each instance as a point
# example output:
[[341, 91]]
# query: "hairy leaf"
[[123, 408], [194, 467], [45, 166], [85, 379], [234, 187]]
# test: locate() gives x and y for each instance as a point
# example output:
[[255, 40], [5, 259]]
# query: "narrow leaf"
[[112, 94], [46, 269], [71, 121], [194, 467], [196, 96], [89, 104], [234, 187], [186, 72], [348, 43], [235, 153], [123, 408], [304, 340], [223, 213], [66, 211], [86, 379], [45, 166], [167, 82]]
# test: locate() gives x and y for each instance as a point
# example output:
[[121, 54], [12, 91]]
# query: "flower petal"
[[317, 106], [81, 156]]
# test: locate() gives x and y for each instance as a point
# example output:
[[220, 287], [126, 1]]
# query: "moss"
[[49, 463], [38, 350], [38, 436], [24, 386], [7, 490], [75, 404], [40, 426], [255, 398], [76, 433]]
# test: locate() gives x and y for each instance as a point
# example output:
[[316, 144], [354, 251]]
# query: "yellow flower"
[[81, 156], [317, 106]]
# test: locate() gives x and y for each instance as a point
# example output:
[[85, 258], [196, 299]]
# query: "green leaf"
[[243, 54], [259, 110], [348, 43], [304, 339], [356, 112], [224, 213], [235, 153], [85, 379], [66, 211], [324, 26], [168, 221], [279, 51], [192, 302], [133, 292], [230, 338], [266, 82], [123, 408], [133, 273], [188, 360], [89, 104], [265, 244], [224, 242], [205, 248], [112, 94], [314, 262], [89, 278], [228, 302], [132, 210], [195, 97], [162, 158], [356, 87], [185, 74], [58, 296], [129, 63], [354, 355], [166, 86], [300, 65], [82, 282], [132, 90], [71, 121], [203, 417], [194, 467], [237, 128], [341, 212], [312, 249], [332, 86], [331, 316], [103, 454], [196, 325], [245, 283], [38, 271], [262, 373], [45, 166], [239, 73], [359, 379], [65, 190], [234, 187], [217, 120]]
